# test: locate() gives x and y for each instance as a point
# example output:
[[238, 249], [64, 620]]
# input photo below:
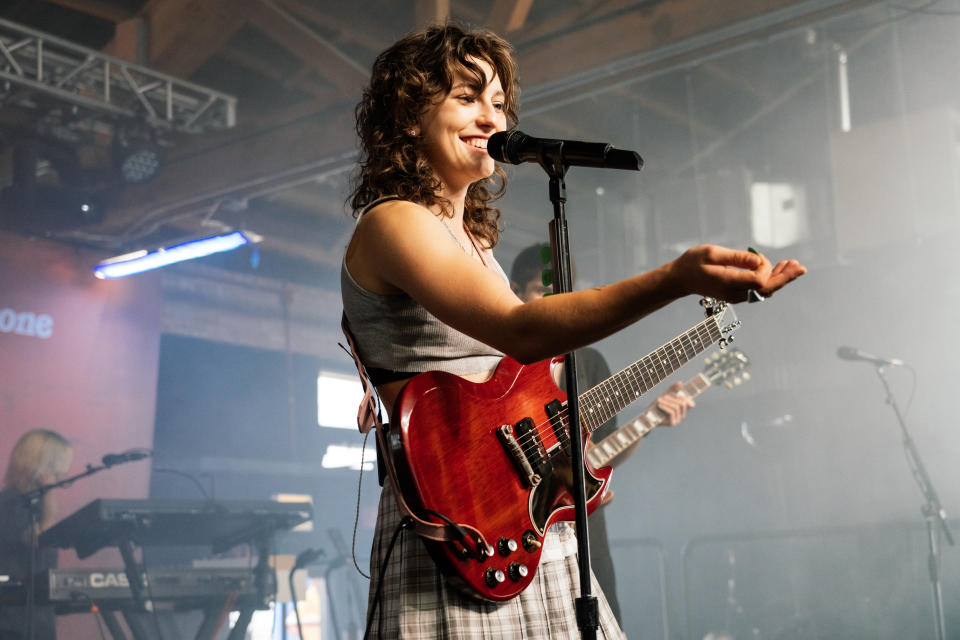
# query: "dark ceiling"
[[635, 73]]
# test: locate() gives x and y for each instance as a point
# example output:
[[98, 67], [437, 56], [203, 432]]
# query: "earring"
[[413, 132]]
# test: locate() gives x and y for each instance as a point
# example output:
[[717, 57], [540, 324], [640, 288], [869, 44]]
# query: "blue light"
[[129, 264]]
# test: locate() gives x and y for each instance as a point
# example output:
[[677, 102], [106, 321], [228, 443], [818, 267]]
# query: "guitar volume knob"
[[517, 571], [506, 546], [494, 577]]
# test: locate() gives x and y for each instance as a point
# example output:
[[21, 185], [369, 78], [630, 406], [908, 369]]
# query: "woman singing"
[[422, 291]]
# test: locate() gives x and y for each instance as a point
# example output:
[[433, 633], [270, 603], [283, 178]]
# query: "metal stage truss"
[[35, 65]]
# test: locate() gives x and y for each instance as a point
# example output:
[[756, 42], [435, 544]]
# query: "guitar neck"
[[604, 451], [607, 399]]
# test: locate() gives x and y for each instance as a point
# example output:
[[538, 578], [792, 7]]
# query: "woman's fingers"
[[785, 272]]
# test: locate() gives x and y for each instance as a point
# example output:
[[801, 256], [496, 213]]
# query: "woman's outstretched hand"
[[730, 274]]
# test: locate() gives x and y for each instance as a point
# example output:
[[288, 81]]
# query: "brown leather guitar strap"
[[368, 418]]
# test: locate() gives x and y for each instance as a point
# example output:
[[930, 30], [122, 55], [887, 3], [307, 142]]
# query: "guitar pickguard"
[[552, 495]]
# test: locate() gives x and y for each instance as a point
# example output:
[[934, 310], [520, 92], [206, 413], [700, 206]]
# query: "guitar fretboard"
[[696, 385], [607, 399], [621, 439]]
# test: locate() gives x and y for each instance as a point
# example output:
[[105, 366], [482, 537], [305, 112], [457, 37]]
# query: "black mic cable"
[[304, 558]]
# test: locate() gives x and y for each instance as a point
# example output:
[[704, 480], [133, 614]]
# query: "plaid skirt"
[[417, 602]]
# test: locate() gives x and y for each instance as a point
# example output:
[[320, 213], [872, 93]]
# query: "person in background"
[[40, 457], [527, 282]]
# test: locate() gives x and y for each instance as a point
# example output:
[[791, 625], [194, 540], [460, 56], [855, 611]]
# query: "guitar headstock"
[[724, 315], [729, 368]]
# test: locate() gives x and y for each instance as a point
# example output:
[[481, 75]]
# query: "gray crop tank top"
[[397, 337]]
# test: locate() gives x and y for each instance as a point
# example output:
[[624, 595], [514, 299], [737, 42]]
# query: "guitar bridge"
[[515, 452], [532, 445]]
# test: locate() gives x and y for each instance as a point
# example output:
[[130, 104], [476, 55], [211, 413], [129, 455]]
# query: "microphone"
[[517, 147], [849, 353], [113, 459]]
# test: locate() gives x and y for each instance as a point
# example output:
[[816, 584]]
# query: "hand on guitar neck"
[[668, 410], [674, 404]]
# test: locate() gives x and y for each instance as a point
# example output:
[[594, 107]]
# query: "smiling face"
[[455, 130]]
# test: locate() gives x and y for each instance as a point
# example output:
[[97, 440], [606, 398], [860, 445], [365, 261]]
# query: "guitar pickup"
[[515, 452], [532, 446], [554, 410]]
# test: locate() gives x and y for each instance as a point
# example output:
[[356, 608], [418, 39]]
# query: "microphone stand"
[[587, 612], [932, 510], [549, 154], [32, 500]]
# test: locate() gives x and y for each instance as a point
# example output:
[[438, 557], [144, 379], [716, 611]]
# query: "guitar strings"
[[643, 383], [702, 344]]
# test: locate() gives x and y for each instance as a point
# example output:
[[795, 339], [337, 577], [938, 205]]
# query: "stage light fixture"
[[140, 164], [139, 261]]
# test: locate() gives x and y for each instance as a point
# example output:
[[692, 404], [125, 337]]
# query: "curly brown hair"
[[407, 79]]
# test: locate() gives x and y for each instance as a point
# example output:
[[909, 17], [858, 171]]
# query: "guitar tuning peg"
[[728, 384], [745, 375], [737, 380]]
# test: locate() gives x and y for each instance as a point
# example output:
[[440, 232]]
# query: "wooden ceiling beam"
[[178, 35], [545, 52], [431, 11], [312, 49], [257, 64], [561, 22], [129, 41], [102, 9], [344, 17], [508, 15], [465, 10]]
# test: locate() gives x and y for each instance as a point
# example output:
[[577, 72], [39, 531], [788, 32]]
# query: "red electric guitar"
[[496, 455]]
